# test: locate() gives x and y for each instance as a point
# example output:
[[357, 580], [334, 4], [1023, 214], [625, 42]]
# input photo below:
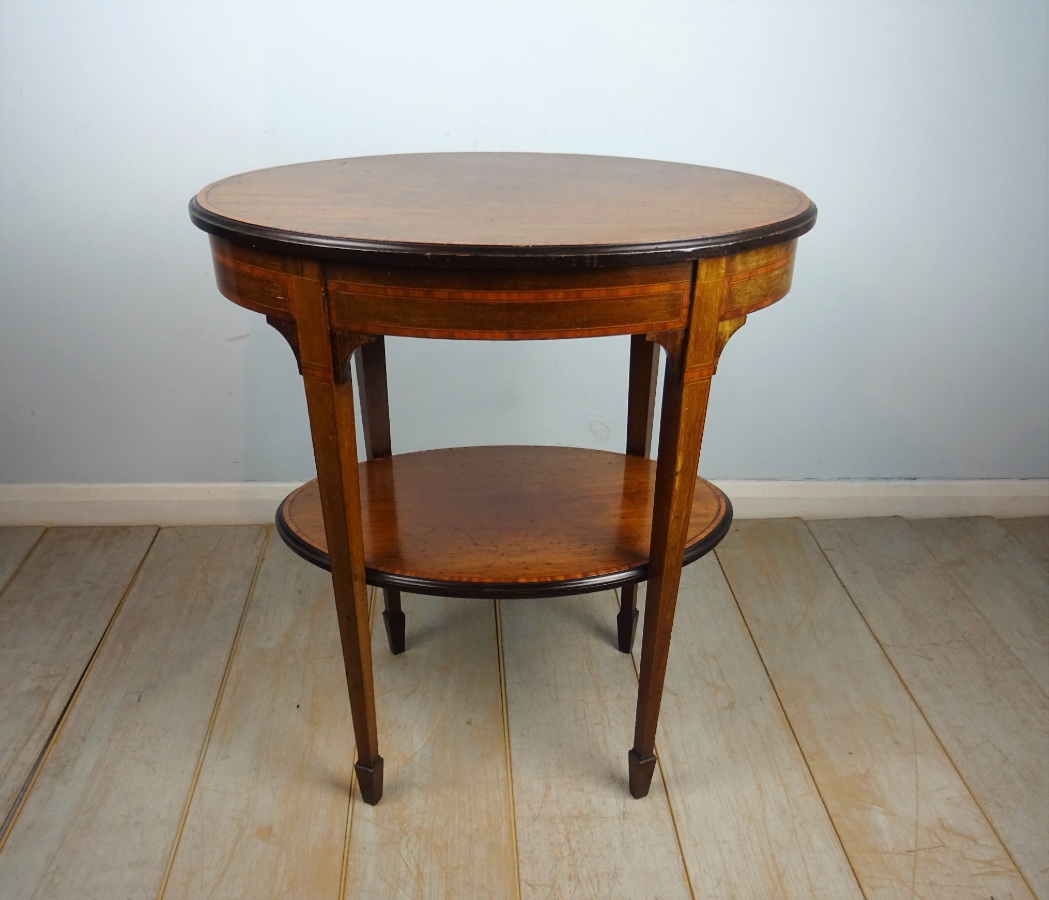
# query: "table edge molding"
[[478, 256]]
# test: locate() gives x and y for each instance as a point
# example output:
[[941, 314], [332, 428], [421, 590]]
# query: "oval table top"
[[519, 210]]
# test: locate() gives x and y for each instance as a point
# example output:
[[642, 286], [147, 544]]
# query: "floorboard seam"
[[918, 706], [662, 775], [959, 586], [22, 561], [23, 794], [790, 725], [344, 880], [214, 716], [1022, 545], [504, 702], [344, 874]]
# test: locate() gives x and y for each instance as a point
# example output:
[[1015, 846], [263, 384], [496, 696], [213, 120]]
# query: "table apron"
[[508, 305], [502, 305]]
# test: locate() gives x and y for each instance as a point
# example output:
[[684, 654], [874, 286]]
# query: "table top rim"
[[436, 253]]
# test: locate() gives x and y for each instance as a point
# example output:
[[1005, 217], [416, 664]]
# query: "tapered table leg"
[[370, 366], [323, 358], [686, 389], [680, 433], [626, 619], [393, 619], [641, 394], [331, 421], [641, 401]]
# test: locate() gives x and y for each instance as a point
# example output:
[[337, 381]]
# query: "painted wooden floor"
[[852, 709]]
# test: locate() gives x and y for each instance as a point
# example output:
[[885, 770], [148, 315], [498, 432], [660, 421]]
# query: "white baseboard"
[[209, 503], [918, 499], [255, 502]]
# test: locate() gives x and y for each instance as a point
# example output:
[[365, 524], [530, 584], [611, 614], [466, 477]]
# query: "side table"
[[503, 246]]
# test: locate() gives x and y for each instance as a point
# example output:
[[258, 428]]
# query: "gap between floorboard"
[[214, 713], [508, 750], [23, 793], [617, 599]]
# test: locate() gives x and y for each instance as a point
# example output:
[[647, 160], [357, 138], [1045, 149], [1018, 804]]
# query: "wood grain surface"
[[904, 815], [570, 697], [749, 818], [1001, 580], [107, 802], [972, 689], [473, 209], [503, 246], [800, 678], [444, 827], [269, 810], [527, 518], [1032, 534], [53, 614], [15, 544], [496, 305]]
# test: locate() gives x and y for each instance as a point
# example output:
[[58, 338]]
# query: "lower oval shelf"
[[505, 521]]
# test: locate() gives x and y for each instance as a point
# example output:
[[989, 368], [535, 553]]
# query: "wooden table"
[[503, 246]]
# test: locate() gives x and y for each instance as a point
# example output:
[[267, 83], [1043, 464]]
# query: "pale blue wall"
[[915, 342]]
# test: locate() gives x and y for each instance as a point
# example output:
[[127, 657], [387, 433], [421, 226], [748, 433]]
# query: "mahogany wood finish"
[[329, 402], [690, 366], [501, 210], [641, 405], [505, 521], [487, 246], [485, 306], [370, 364]]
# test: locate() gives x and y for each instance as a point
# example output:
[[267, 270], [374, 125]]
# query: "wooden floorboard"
[[986, 709], [571, 697], [15, 544], [1000, 579], [268, 816], [1032, 534], [750, 820], [904, 815], [443, 827], [101, 818], [52, 616], [218, 748]]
